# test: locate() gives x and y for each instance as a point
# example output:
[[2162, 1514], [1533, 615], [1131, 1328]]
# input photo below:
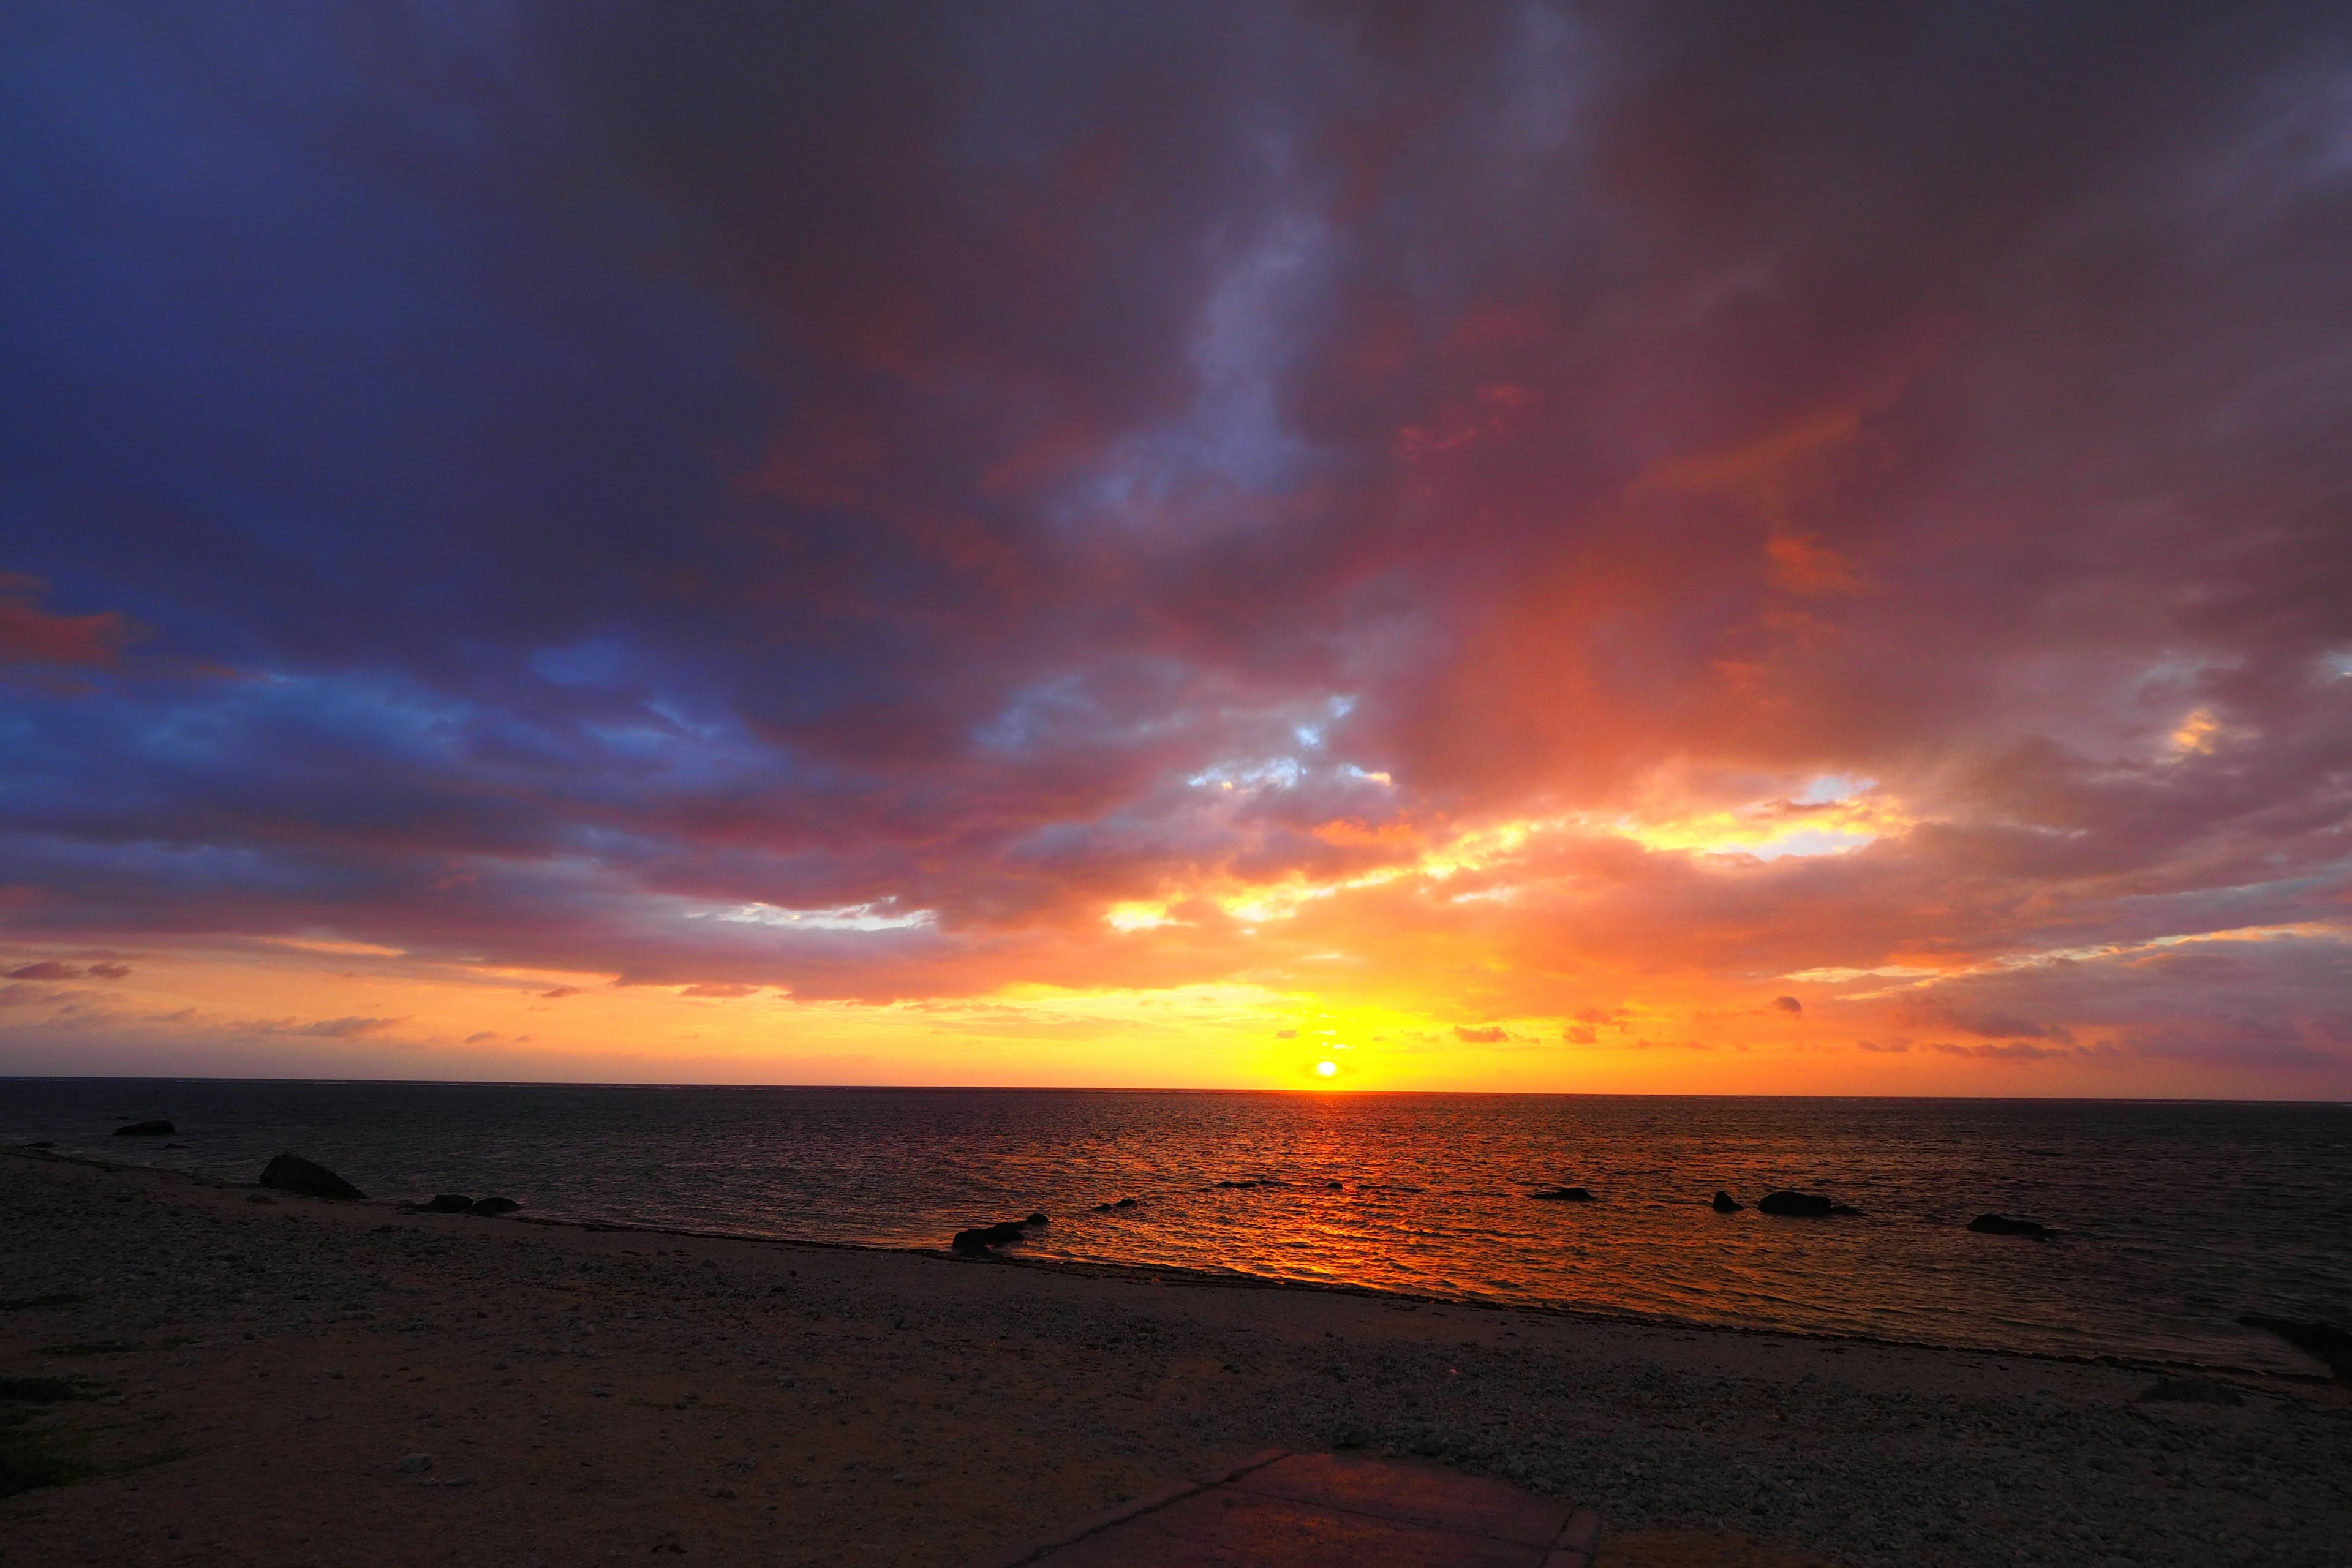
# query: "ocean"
[[2172, 1218]]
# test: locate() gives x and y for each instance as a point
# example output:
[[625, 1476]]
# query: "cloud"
[[31, 635], [47, 968], [1527, 542], [1487, 1035], [346, 1029], [110, 971], [480, 1037]]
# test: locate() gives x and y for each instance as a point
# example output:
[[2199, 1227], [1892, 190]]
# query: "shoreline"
[[1180, 1276], [591, 1389]]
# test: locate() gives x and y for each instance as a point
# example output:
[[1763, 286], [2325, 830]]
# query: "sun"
[[1326, 1069]]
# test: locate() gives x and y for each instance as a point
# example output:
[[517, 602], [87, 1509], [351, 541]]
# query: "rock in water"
[[1806, 1205], [146, 1129], [449, 1203], [1725, 1204], [2326, 1341], [492, 1206], [293, 1174], [1037, 1218], [1565, 1195], [977, 1241], [2001, 1225]]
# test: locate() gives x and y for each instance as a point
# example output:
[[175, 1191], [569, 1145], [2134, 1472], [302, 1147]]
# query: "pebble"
[[416, 1464]]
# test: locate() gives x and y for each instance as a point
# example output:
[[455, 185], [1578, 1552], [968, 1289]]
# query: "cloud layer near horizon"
[[1552, 526]]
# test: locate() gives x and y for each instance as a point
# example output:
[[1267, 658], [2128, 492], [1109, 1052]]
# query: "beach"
[[257, 1368]]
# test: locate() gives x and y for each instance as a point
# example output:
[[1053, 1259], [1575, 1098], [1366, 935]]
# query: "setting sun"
[[1326, 1069]]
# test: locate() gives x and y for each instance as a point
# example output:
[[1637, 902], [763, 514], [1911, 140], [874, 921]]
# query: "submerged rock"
[[157, 1129], [1802, 1206], [2001, 1225], [1723, 1202], [1122, 1204], [293, 1174], [1565, 1195], [490, 1207], [1252, 1182]]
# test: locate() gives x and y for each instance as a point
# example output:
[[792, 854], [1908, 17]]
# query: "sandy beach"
[[253, 1370]]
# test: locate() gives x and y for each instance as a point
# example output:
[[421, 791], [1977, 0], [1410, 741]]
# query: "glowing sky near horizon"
[[1476, 546]]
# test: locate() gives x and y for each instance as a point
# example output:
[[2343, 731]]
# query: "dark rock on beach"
[[490, 1207], [1723, 1202], [2001, 1225], [158, 1129], [978, 1241], [2326, 1341], [1565, 1195], [449, 1203], [293, 1174], [1804, 1206]]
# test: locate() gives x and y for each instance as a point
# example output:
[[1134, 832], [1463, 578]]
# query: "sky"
[[1614, 547]]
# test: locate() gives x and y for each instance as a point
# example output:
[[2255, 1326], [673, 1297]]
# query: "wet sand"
[[257, 1371]]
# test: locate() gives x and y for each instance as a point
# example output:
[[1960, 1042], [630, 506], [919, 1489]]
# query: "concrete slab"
[[1328, 1511], [1227, 1527], [1414, 1494]]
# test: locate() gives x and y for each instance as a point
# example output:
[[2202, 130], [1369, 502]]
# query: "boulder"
[[978, 1241], [1565, 1195], [2326, 1341], [1037, 1218], [449, 1203], [2001, 1225], [1804, 1206], [492, 1207], [1725, 1204], [157, 1129], [293, 1174]]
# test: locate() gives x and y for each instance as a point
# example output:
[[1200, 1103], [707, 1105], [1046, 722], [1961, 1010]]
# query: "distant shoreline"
[[1314, 1091]]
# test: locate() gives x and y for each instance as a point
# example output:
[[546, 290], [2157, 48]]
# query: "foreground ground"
[[252, 1372]]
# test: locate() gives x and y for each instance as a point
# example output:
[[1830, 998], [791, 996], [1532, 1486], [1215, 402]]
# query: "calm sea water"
[[2176, 1217]]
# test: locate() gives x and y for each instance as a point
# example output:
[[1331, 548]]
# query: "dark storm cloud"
[[587, 477]]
